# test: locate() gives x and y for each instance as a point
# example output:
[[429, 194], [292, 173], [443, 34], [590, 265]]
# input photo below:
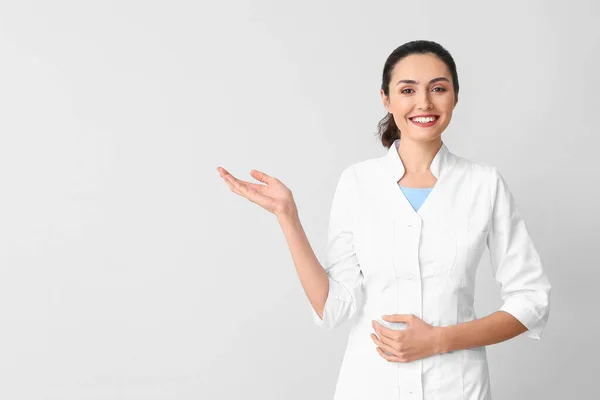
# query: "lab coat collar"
[[395, 168]]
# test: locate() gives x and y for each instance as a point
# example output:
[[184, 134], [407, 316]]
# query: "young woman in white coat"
[[406, 233]]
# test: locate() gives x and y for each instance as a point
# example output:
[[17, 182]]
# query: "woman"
[[406, 233]]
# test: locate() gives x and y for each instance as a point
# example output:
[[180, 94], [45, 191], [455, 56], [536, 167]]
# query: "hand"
[[274, 197], [418, 340]]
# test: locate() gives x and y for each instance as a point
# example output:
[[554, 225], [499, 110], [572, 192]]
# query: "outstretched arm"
[[278, 199], [334, 290]]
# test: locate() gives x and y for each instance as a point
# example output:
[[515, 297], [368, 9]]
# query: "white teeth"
[[424, 120]]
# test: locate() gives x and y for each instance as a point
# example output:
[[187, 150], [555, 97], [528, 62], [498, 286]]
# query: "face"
[[421, 84]]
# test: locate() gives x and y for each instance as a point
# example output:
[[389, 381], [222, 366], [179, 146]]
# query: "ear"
[[384, 100]]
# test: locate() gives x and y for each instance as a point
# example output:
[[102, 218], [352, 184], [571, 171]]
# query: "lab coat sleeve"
[[345, 295], [515, 262]]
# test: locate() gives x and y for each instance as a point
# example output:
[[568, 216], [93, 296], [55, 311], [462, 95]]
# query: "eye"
[[434, 89]]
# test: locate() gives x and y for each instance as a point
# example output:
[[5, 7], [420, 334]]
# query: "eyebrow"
[[434, 80]]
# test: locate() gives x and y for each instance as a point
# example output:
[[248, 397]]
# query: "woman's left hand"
[[419, 339]]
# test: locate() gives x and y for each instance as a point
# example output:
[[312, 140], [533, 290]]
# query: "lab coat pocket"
[[475, 354], [475, 374], [438, 248]]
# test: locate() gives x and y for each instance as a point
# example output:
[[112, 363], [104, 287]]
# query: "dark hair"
[[387, 129]]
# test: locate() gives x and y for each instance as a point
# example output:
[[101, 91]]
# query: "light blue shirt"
[[416, 196]]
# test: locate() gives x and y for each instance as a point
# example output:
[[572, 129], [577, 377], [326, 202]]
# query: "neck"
[[417, 156]]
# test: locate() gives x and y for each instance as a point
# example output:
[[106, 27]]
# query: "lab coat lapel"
[[407, 222], [394, 170]]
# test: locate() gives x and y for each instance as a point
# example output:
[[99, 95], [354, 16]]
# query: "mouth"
[[425, 122]]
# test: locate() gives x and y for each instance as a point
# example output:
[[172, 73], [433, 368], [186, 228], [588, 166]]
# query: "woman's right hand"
[[274, 197]]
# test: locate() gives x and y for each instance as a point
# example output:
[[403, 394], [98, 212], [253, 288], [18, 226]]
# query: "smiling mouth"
[[425, 121]]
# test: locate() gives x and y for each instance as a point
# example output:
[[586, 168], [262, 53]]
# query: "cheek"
[[402, 105], [445, 103], [445, 122]]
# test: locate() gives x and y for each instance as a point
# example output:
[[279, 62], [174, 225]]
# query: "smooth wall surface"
[[129, 270]]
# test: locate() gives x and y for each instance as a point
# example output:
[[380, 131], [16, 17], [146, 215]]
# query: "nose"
[[423, 101]]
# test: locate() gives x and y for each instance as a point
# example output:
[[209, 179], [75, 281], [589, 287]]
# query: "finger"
[[385, 332], [241, 185], [248, 190], [244, 184], [261, 176], [399, 318], [222, 171], [235, 182], [229, 177], [238, 186], [392, 338], [385, 346], [388, 357]]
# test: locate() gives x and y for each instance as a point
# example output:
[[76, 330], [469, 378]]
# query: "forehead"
[[420, 67]]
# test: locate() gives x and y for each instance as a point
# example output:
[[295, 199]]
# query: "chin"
[[423, 136]]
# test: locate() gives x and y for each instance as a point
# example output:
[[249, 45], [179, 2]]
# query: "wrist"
[[441, 340], [290, 212]]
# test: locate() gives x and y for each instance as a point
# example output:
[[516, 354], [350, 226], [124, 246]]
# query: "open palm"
[[274, 197]]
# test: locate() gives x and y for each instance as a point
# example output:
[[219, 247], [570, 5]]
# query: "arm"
[[312, 275], [525, 288], [334, 290], [494, 328]]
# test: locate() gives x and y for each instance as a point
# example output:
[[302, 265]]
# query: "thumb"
[[398, 318], [261, 176]]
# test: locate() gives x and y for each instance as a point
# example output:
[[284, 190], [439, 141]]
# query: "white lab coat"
[[383, 257]]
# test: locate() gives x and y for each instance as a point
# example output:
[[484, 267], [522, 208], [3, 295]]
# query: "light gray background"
[[129, 270]]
